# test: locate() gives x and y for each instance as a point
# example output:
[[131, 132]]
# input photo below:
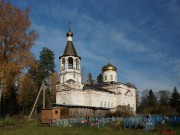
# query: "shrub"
[[117, 125]]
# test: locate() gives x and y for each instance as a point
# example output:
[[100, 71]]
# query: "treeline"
[[160, 102], [20, 98]]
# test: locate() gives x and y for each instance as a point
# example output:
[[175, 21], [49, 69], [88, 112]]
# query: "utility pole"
[[36, 101], [41, 88], [44, 94]]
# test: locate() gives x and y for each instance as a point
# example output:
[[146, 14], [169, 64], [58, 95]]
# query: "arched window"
[[77, 63], [108, 105], [105, 77], [111, 77], [105, 104], [70, 63]]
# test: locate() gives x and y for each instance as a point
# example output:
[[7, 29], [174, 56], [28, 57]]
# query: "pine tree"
[[90, 79], [152, 100], [47, 61], [175, 99], [99, 78]]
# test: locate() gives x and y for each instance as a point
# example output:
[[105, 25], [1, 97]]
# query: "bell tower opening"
[[63, 64], [70, 63]]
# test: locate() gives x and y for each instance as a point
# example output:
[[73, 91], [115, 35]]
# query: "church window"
[[111, 105], [111, 77], [105, 77], [108, 105], [101, 104], [105, 104], [70, 63]]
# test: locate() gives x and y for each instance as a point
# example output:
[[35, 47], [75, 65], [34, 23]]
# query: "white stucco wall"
[[123, 95], [108, 75]]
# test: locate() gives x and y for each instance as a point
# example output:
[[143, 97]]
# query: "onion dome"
[[109, 67], [69, 34]]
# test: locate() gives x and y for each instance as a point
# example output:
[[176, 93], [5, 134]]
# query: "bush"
[[117, 125]]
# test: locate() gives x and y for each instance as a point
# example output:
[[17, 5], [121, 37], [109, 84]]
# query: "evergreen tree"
[[148, 102], [47, 62], [163, 102], [143, 107], [175, 99], [152, 100], [99, 78], [90, 79], [44, 67]]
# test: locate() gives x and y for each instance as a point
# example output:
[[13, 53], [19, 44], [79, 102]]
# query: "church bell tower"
[[70, 69]]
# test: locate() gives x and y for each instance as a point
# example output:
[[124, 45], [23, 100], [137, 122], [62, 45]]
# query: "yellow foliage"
[[15, 42]]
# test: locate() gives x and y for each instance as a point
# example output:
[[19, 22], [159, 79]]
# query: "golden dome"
[[109, 67], [69, 33]]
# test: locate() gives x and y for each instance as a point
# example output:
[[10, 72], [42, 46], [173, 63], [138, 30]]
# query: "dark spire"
[[69, 49]]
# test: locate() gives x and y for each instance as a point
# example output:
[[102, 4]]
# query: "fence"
[[140, 121], [99, 122], [149, 122]]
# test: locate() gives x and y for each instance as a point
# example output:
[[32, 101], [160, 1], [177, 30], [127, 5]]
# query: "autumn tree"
[[27, 93], [123, 110], [16, 40], [53, 80]]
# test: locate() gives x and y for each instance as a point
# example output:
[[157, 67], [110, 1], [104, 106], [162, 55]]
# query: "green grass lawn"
[[34, 129]]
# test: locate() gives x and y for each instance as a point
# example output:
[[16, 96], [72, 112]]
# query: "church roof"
[[70, 49], [87, 87]]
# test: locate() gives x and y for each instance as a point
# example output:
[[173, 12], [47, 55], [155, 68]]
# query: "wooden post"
[[35, 102], [44, 93]]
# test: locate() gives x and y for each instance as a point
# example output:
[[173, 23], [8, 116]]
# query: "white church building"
[[72, 93]]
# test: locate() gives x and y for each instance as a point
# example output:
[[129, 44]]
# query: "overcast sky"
[[141, 37]]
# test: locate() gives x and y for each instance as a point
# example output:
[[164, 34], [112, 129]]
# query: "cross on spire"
[[69, 26], [108, 59]]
